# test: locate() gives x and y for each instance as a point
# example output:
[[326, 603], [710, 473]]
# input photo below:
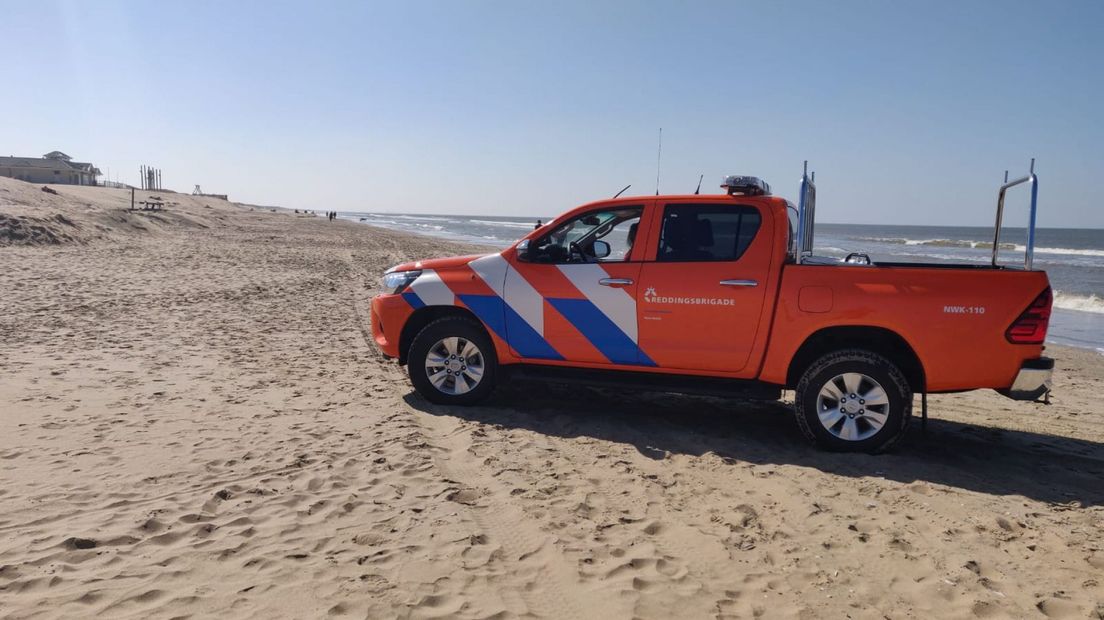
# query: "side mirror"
[[523, 250], [601, 249]]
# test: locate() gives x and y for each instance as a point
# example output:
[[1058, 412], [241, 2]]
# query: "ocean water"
[[1073, 258]]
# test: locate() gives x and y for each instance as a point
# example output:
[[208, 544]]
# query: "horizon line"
[[541, 217]]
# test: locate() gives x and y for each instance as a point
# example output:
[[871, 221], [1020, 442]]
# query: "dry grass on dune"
[[194, 423]]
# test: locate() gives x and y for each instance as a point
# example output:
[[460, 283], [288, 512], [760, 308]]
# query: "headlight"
[[395, 281]]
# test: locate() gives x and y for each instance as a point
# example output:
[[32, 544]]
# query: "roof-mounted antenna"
[[1032, 171], [1005, 176], [698, 191], [622, 191], [659, 158]]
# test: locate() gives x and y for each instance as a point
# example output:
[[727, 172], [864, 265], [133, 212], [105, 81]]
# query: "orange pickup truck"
[[721, 294]]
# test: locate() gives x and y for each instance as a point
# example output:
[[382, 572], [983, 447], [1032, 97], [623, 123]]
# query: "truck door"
[[701, 297], [571, 294]]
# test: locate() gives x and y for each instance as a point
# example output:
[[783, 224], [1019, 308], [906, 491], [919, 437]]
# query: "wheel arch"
[[878, 340], [424, 316]]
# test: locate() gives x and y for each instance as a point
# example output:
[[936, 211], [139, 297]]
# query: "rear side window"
[[706, 232]]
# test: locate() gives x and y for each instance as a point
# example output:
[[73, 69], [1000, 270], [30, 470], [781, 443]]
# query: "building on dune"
[[53, 167]]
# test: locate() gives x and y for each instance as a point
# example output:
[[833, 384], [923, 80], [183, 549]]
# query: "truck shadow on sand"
[[1048, 468]]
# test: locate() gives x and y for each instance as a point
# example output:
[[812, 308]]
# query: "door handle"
[[739, 283], [615, 282]]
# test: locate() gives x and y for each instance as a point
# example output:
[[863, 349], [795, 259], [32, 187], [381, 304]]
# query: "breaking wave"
[[1070, 251], [943, 243], [524, 225], [1081, 303], [981, 245]]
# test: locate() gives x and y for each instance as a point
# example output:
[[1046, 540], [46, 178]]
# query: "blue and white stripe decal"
[[508, 284], [606, 316], [492, 269], [413, 299], [431, 290], [615, 303], [603, 333], [523, 310], [509, 326], [525, 300]]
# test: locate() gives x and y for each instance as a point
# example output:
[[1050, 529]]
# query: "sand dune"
[[76, 214], [193, 423]]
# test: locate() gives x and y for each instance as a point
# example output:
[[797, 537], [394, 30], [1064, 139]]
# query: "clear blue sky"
[[909, 111]]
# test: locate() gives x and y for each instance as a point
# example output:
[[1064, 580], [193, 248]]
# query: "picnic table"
[[152, 203]]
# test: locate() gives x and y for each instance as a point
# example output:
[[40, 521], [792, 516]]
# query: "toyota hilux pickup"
[[721, 294]]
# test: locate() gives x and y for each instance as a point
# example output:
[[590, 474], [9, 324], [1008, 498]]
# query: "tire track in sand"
[[544, 583]]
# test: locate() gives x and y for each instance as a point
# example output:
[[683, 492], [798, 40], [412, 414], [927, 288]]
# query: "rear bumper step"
[[1033, 380]]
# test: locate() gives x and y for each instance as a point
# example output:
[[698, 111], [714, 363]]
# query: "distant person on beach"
[[538, 225]]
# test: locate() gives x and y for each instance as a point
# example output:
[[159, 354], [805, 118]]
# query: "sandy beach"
[[194, 422]]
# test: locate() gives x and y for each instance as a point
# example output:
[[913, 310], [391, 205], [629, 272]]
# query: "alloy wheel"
[[454, 365], [852, 406]]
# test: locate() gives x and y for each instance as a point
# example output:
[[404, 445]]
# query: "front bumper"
[[389, 314], [1032, 381]]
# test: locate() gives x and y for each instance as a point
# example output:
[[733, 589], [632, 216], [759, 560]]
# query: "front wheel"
[[853, 401], [452, 362]]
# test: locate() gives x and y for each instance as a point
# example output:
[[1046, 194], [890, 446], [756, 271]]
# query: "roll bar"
[[806, 214], [1029, 254]]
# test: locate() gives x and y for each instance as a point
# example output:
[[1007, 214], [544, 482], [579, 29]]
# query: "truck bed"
[[953, 316]]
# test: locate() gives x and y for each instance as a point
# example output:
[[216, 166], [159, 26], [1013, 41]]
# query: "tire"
[[444, 367], [831, 405]]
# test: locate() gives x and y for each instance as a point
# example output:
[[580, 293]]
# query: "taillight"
[[1031, 326]]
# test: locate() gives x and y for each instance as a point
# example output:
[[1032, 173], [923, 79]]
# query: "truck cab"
[[716, 294]]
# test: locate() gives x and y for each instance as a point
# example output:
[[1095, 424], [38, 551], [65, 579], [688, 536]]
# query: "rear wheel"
[[452, 362], [854, 401]]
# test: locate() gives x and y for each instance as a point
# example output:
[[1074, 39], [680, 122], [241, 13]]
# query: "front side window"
[[706, 232], [605, 235]]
